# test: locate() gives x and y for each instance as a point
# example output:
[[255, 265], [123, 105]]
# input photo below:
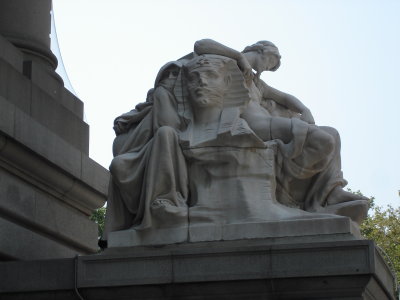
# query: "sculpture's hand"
[[119, 127], [306, 116], [246, 68]]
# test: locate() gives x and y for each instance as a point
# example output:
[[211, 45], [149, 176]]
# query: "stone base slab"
[[219, 232], [247, 269]]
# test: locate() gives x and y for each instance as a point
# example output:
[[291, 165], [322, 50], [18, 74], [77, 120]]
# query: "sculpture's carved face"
[[268, 61], [206, 83]]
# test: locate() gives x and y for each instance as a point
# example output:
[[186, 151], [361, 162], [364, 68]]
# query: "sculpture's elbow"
[[200, 46]]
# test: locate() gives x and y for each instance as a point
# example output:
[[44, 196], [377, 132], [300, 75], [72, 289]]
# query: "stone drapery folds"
[[215, 146]]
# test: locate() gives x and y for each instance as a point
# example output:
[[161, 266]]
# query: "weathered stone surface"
[[44, 213], [10, 54], [306, 228], [162, 236], [303, 228], [42, 195], [45, 196], [42, 78], [38, 275], [71, 102], [15, 87], [54, 116], [218, 270], [207, 152], [7, 115], [21, 243], [94, 175], [45, 192], [15, 59], [34, 27], [38, 171], [42, 97], [44, 142]]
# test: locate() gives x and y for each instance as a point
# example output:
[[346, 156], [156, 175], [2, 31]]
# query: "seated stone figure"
[[203, 153], [227, 148], [147, 146], [309, 187]]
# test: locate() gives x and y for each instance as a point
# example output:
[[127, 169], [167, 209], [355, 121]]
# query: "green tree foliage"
[[98, 217], [383, 226]]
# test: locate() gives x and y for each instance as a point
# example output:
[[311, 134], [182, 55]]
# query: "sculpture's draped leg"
[[329, 178], [166, 186]]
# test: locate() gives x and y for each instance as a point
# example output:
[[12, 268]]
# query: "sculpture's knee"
[[332, 131], [165, 130], [117, 164], [165, 133], [327, 142], [118, 143], [321, 141]]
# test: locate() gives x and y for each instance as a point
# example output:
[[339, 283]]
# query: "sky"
[[339, 57]]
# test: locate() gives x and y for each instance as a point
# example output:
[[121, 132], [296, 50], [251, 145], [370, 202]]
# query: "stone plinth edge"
[[246, 269], [227, 232], [70, 189]]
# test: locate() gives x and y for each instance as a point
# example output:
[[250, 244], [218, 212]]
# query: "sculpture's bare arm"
[[287, 100], [209, 46]]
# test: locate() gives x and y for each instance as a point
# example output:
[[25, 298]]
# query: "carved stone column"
[[26, 24], [48, 184]]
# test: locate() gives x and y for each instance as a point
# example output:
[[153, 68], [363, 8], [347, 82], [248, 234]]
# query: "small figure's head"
[[207, 80], [267, 56], [168, 74]]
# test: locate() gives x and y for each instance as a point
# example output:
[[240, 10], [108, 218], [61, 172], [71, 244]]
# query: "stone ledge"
[[33, 208], [41, 147], [217, 270], [239, 260], [44, 108], [21, 243], [275, 229], [54, 116], [67, 186], [219, 232]]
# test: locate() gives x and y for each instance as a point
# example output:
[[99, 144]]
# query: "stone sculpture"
[[214, 145]]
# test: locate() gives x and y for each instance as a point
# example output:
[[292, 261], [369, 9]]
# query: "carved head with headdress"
[[214, 80], [215, 89]]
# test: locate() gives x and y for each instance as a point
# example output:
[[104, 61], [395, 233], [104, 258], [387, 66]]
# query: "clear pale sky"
[[339, 57]]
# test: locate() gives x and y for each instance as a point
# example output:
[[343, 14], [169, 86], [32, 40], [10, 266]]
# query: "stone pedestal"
[[285, 268], [300, 228], [48, 185]]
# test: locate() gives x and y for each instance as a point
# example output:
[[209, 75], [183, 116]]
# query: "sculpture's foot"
[[278, 211], [356, 210], [338, 195], [169, 213]]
